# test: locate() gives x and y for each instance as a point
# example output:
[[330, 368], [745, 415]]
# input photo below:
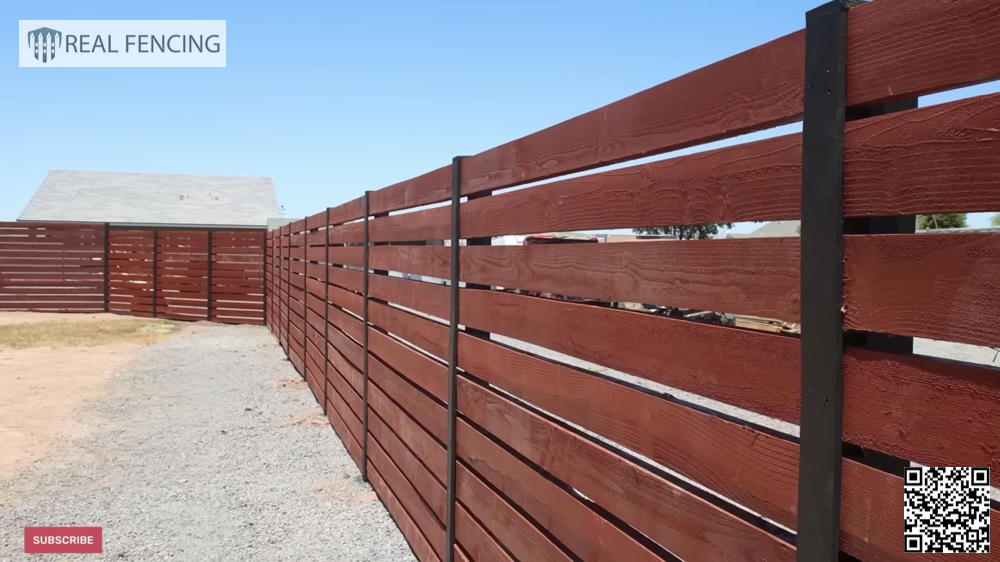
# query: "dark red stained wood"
[[939, 286], [582, 530], [347, 300], [430, 298], [418, 543], [471, 537], [408, 497], [417, 330], [347, 255], [429, 488], [896, 50], [930, 160], [344, 322], [430, 452], [343, 345], [757, 276], [754, 370], [348, 211], [936, 412], [754, 469], [426, 224], [426, 373], [347, 278], [424, 260], [431, 187], [683, 523], [426, 411], [510, 527]]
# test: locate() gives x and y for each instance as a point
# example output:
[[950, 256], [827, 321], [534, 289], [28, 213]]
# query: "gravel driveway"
[[208, 446]]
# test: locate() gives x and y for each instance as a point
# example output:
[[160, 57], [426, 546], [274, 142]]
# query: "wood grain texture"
[[753, 469], [754, 370], [937, 159], [432, 187], [938, 286], [468, 531], [351, 210], [428, 524], [427, 297], [434, 261], [512, 529], [422, 549], [588, 535], [418, 331], [895, 50], [933, 411], [426, 224], [757, 276], [669, 515]]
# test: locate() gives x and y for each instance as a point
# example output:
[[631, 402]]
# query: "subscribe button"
[[62, 540]]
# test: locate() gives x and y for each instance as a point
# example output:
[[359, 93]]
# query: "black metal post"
[[821, 283], [107, 280], [208, 276], [364, 346], [326, 312], [156, 266], [456, 198]]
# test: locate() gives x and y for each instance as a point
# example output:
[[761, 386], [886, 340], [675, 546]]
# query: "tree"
[[699, 231], [947, 220], [995, 221]]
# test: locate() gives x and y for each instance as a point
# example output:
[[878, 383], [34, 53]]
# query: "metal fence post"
[[821, 283], [456, 197], [364, 344], [208, 275]]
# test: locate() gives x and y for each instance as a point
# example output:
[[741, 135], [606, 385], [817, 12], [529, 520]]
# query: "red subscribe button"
[[62, 540]]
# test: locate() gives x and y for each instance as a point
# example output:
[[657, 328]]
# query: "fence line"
[[181, 274], [503, 407]]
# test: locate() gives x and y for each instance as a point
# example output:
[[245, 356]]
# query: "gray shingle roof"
[[140, 198]]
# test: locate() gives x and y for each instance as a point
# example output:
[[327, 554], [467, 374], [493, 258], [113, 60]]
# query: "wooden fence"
[[497, 424], [181, 274]]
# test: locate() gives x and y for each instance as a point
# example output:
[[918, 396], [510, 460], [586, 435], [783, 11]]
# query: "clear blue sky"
[[331, 98]]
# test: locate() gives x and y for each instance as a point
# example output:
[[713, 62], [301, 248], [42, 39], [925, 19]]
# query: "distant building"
[[772, 229], [160, 200]]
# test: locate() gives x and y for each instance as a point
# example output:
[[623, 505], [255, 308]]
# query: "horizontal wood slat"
[[931, 160], [944, 45], [757, 276], [939, 286]]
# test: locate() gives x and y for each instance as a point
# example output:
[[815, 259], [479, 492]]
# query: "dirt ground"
[[50, 364]]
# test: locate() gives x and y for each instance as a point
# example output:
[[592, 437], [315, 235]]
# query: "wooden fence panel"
[[585, 431], [52, 267]]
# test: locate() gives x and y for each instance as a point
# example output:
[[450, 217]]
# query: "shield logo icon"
[[43, 42]]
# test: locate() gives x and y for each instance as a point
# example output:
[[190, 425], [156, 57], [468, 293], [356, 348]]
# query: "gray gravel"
[[206, 447]]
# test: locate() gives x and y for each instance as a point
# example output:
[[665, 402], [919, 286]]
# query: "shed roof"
[[154, 199]]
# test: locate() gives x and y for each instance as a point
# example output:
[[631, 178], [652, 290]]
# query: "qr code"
[[947, 510]]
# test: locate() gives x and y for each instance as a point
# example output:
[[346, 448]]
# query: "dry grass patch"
[[63, 333]]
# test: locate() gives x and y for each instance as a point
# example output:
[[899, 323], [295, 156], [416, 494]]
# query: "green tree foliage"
[[698, 231], [995, 221], [948, 220]]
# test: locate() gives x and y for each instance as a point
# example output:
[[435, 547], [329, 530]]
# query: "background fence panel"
[[52, 266]]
